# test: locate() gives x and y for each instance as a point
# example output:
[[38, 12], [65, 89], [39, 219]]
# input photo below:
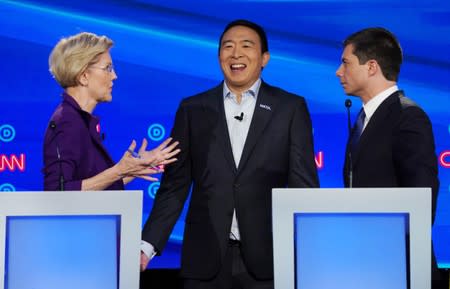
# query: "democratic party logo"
[[7, 188], [7, 133], [156, 132], [152, 189]]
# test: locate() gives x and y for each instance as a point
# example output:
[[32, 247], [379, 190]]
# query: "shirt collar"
[[253, 90], [371, 106]]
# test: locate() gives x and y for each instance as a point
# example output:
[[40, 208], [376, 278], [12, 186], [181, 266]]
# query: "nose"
[[339, 71], [114, 75], [236, 53]]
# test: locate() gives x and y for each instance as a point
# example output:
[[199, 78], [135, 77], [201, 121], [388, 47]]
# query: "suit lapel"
[[95, 135], [214, 99], [264, 109], [377, 118], [98, 142]]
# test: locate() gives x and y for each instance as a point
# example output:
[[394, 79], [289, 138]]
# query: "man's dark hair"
[[378, 44], [253, 26]]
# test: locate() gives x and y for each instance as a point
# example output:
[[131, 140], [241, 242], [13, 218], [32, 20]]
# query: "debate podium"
[[70, 239], [355, 238]]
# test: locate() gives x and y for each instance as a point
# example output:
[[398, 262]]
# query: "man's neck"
[[374, 91], [239, 90]]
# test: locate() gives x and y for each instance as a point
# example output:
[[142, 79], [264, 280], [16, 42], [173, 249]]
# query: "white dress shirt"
[[371, 106], [238, 129]]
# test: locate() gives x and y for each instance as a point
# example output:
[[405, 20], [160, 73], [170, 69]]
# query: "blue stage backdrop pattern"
[[167, 50]]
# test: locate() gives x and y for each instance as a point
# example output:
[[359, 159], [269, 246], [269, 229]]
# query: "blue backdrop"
[[167, 50]]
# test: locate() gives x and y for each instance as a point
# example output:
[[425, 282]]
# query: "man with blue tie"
[[392, 142], [238, 141]]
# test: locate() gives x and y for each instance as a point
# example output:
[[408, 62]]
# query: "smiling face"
[[240, 58], [100, 78], [353, 76]]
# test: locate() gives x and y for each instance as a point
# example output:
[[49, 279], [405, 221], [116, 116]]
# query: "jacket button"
[[236, 186]]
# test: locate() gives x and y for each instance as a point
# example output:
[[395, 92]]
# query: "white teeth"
[[240, 65]]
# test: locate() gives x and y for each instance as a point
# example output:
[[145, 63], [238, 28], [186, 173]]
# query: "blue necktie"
[[357, 130]]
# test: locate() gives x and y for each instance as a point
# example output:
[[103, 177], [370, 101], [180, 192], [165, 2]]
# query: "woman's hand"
[[147, 163], [161, 155]]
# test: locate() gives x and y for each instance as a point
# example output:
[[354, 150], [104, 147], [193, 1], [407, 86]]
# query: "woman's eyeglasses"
[[109, 68]]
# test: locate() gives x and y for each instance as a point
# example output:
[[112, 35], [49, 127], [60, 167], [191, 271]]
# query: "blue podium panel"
[[351, 250], [54, 252]]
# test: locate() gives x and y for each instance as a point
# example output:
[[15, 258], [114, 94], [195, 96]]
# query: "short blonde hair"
[[72, 55]]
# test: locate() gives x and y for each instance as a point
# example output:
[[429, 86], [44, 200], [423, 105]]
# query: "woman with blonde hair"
[[74, 155]]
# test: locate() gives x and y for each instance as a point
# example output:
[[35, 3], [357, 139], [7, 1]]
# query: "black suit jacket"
[[278, 152], [396, 149]]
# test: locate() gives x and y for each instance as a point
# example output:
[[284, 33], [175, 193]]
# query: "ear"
[[83, 78], [373, 67], [265, 58]]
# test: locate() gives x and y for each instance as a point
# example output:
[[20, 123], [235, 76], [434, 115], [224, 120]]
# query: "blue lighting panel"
[[351, 251], [54, 252]]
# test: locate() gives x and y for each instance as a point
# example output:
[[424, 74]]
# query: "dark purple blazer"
[[82, 154]]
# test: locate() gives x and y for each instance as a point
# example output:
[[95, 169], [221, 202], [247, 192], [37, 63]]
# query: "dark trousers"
[[232, 275], [440, 279]]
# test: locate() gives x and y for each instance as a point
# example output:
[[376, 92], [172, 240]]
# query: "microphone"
[[348, 104], [58, 155], [240, 117]]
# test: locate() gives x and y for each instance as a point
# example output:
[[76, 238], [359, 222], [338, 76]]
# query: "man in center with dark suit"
[[238, 141], [392, 143]]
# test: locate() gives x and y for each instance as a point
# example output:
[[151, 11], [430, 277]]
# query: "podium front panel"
[[70, 239], [342, 250], [352, 238]]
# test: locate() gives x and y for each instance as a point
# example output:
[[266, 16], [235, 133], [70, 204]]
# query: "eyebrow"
[[227, 41], [104, 65], [242, 41], [248, 41]]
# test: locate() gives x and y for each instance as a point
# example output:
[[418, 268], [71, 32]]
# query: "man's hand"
[[144, 261]]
